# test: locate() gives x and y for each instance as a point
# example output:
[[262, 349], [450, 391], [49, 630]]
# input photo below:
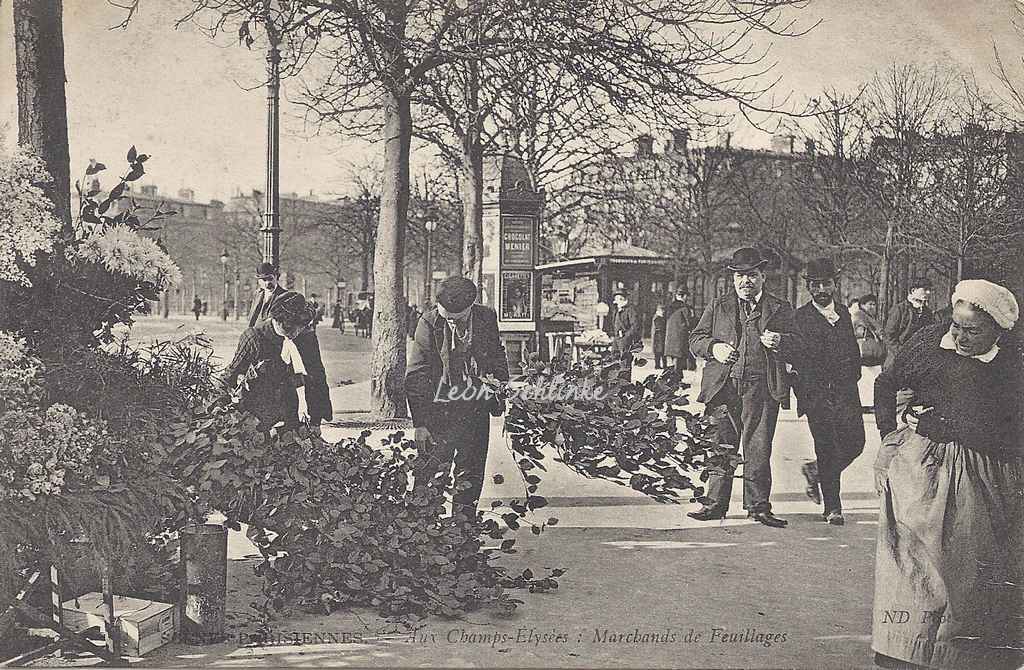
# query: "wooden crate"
[[143, 625]]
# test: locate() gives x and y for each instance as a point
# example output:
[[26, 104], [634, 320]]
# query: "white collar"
[[948, 343], [756, 300]]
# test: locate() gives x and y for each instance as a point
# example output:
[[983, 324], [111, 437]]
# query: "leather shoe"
[[810, 473], [768, 519], [707, 514], [835, 518]]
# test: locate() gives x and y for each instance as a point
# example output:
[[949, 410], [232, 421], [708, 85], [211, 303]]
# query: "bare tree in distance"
[[1013, 91], [693, 201], [770, 212], [904, 103], [834, 183], [971, 196]]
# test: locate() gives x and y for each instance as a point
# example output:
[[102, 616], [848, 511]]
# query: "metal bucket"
[[204, 560]]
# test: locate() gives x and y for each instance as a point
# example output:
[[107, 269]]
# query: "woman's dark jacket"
[[977, 404], [271, 394]]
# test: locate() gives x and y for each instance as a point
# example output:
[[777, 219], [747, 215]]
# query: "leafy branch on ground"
[[585, 415]]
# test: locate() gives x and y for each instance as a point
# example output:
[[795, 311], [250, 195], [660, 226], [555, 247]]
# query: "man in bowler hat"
[[745, 336], [826, 386], [456, 344], [270, 291]]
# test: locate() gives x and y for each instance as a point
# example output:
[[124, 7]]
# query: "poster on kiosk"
[[517, 259]]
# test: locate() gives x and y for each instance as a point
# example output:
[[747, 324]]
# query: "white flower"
[[27, 223], [121, 249]]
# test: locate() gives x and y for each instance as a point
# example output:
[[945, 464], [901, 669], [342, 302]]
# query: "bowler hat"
[[456, 294], [745, 259], [820, 268], [266, 270]]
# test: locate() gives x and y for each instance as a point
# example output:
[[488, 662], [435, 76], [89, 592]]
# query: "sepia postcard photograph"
[[512, 334]]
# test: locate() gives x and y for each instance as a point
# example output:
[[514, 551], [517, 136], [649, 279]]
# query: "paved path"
[[728, 594]]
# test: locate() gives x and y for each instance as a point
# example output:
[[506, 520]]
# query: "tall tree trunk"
[[473, 170], [885, 275], [387, 367], [364, 279], [42, 106], [473, 216], [42, 125]]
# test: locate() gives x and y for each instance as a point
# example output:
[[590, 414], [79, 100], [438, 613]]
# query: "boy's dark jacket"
[[426, 364]]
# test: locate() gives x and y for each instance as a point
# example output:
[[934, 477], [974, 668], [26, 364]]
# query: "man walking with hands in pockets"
[[745, 336]]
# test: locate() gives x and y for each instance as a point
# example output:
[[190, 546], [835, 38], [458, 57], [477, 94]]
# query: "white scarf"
[[290, 355]]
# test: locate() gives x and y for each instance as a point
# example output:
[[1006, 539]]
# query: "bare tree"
[[692, 201], [834, 182], [971, 198], [770, 211], [904, 104], [604, 65]]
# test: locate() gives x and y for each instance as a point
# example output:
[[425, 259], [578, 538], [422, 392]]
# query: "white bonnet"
[[997, 301]]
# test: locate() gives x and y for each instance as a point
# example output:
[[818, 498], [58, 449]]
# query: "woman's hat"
[[746, 259], [820, 269], [290, 307], [997, 301]]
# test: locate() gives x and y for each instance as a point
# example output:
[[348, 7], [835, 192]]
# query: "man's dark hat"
[[266, 270], [746, 259], [457, 294], [820, 269]]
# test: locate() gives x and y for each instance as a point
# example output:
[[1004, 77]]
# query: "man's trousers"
[[746, 415], [837, 426], [461, 438]]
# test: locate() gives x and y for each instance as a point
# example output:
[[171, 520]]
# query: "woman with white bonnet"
[[949, 571]]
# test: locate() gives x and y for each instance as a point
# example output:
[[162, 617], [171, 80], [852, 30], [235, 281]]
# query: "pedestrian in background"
[[828, 368], [678, 322], [871, 345], [414, 317], [627, 332], [950, 475], [197, 307], [906, 318], [318, 310], [658, 337], [744, 336]]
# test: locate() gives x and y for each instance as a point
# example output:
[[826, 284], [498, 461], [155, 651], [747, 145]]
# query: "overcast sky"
[[183, 99]]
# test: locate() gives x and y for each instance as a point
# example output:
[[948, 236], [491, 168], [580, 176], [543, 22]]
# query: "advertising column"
[[512, 210]]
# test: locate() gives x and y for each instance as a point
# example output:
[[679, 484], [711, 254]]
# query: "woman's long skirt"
[[950, 556]]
